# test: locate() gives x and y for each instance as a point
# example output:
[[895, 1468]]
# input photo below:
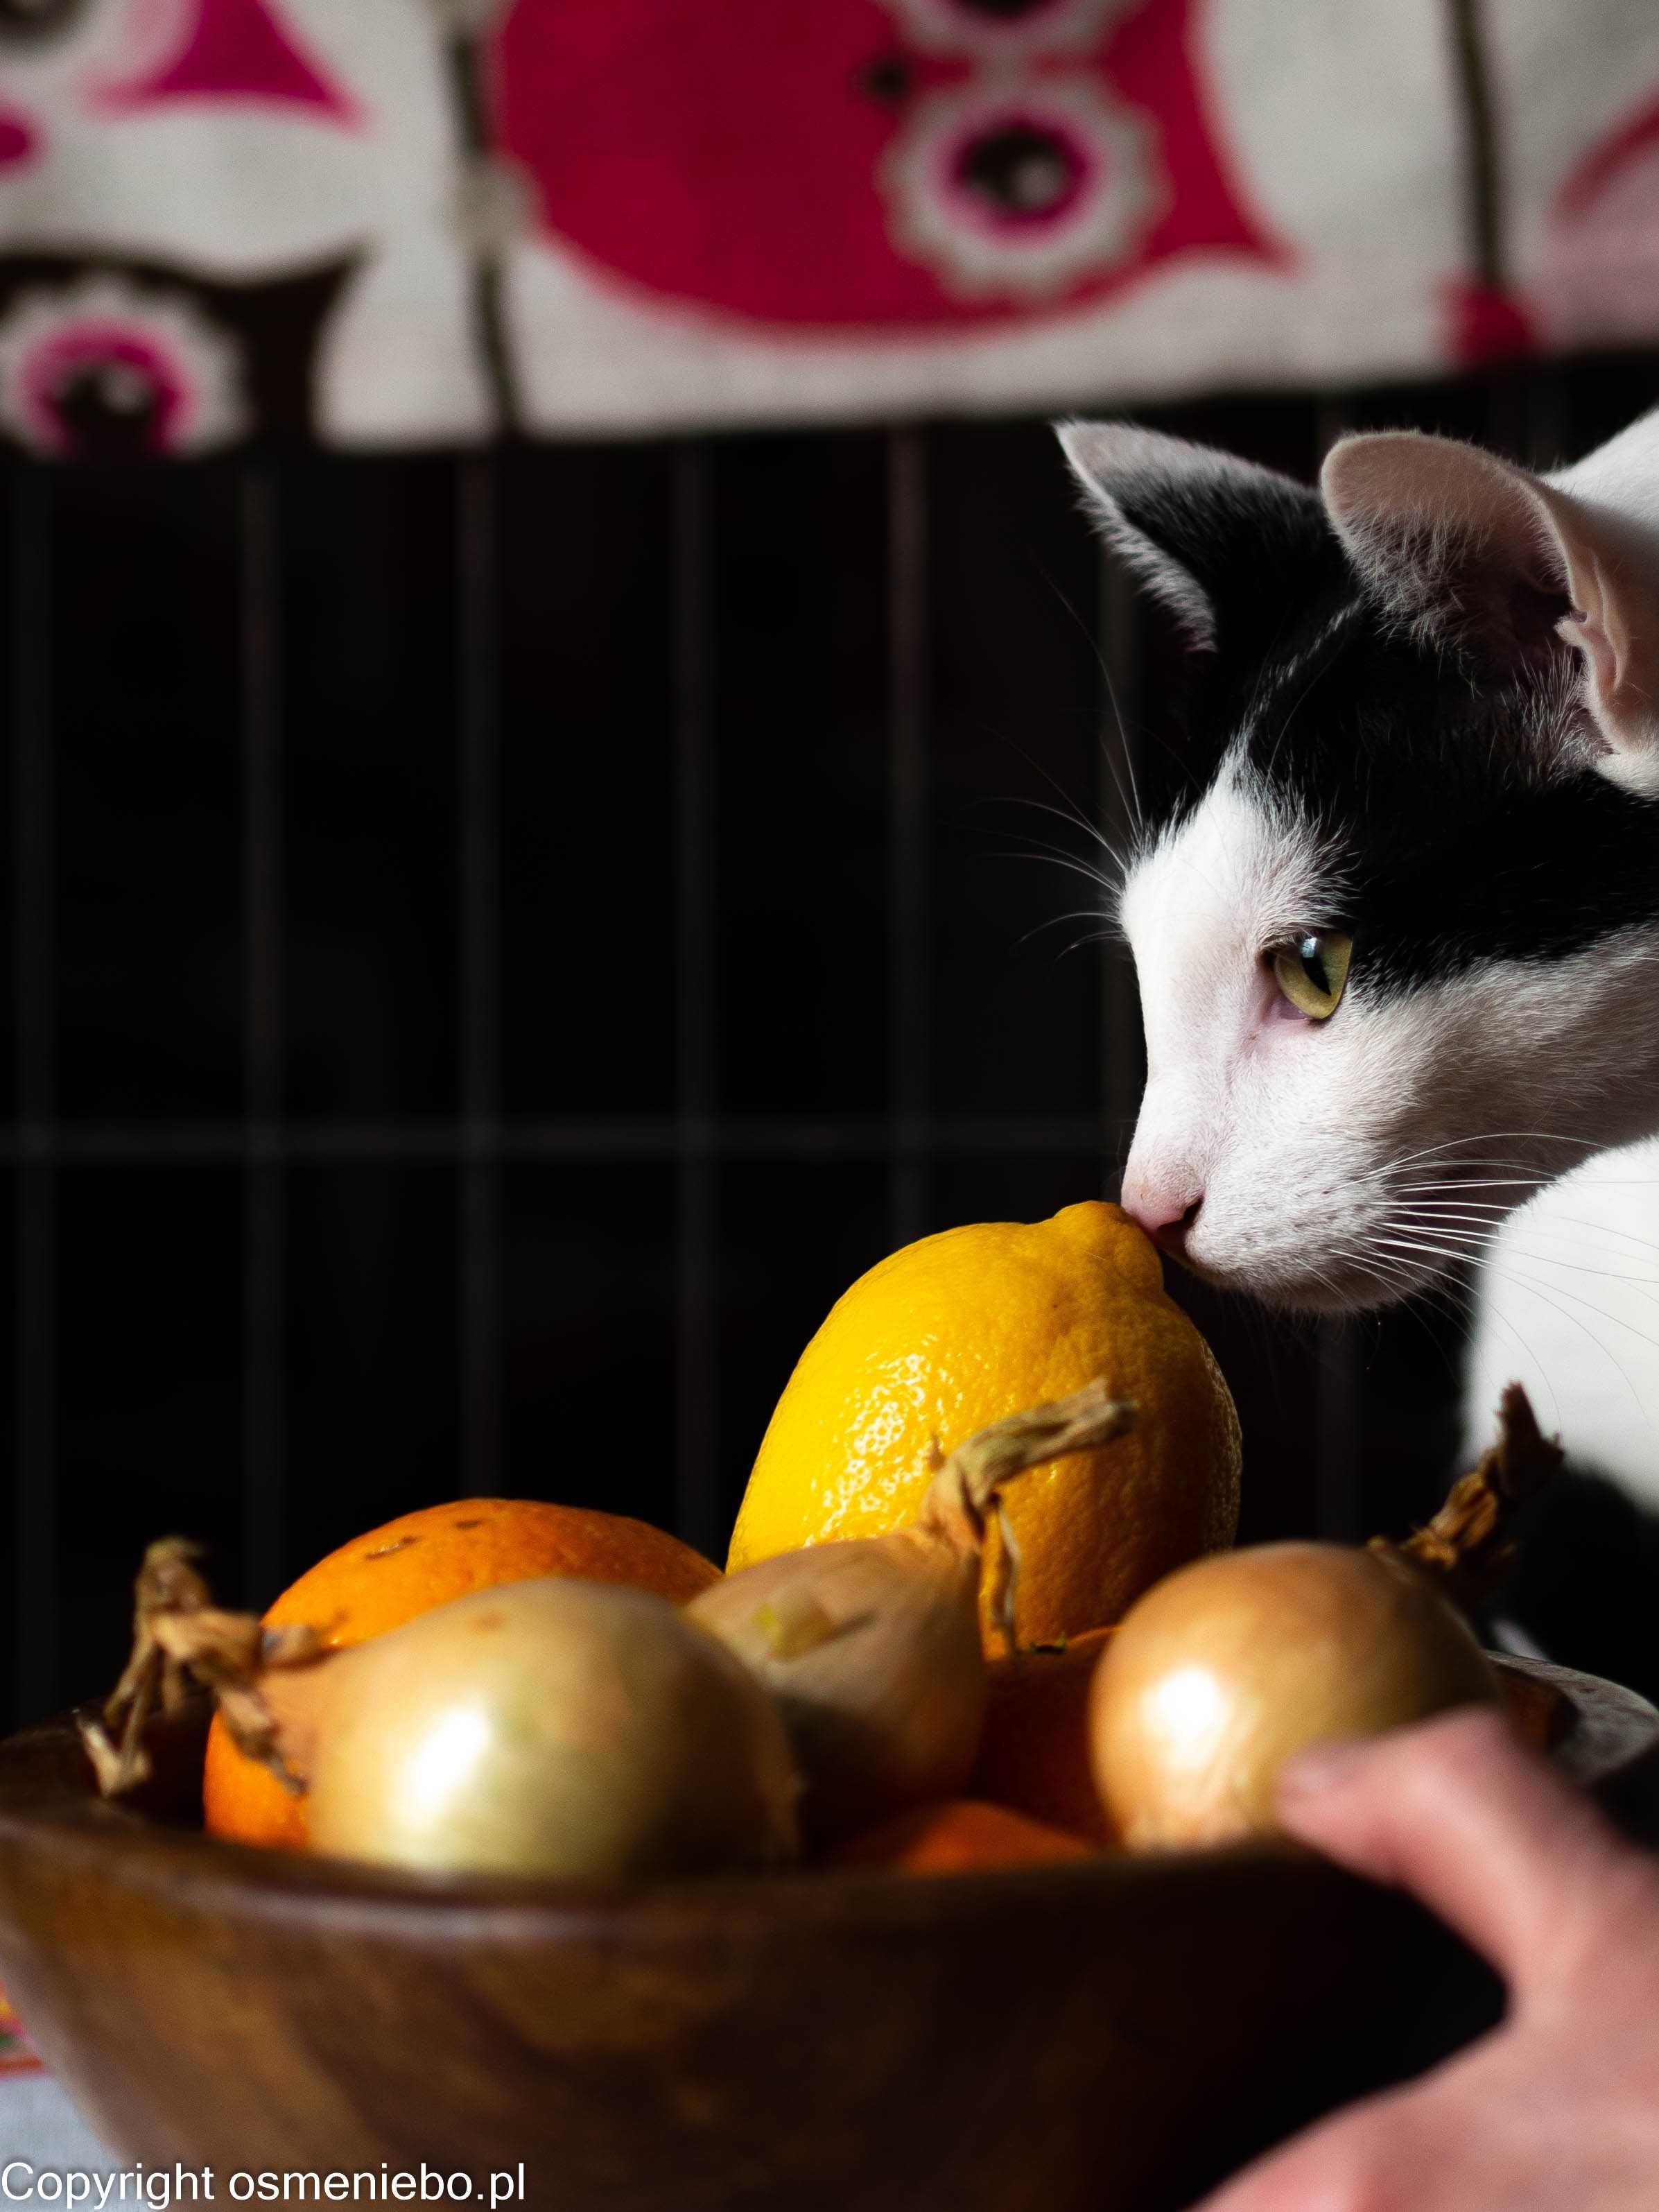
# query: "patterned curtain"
[[407, 221]]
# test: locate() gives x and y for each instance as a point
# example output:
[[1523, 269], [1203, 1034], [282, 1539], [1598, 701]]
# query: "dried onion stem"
[[871, 1644], [178, 1635], [1469, 1545]]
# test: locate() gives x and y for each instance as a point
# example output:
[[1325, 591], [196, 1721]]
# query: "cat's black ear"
[[1512, 569], [1227, 547]]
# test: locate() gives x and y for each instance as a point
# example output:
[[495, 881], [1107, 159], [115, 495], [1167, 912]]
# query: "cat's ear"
[[1223, 544], [1510, 568]]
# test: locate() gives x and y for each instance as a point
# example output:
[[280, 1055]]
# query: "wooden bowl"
[[1108, 2036]]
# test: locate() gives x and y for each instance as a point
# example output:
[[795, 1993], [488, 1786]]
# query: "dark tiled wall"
[[497, 943]]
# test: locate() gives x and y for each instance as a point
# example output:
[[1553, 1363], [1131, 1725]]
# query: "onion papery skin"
[[872, 1651], [555, 1727], [870, 1645], [1228, 1669]]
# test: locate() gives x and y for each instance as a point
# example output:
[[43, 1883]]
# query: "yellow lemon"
[[957, 1331]]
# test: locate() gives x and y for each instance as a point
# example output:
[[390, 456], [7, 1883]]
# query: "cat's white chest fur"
[[1568, 1305]]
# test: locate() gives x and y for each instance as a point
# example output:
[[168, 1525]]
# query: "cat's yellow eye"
[[1311, 971]]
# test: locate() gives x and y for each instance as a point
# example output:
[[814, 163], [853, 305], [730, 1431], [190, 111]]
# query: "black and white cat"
[[1399, 957]]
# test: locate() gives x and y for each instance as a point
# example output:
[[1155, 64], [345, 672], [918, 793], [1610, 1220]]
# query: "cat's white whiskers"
[[1488, 1137], [1372, 1268], [1089, 937], [1479, 1183], [1437, 1214], [1646, 1284], [1567, 1221], [1058, 921], [1460, 1255], [1502, 1208], [1516, 984], [1529, 1360], [1056, 856], [1459, 1209], [1396, 1278], [1075, 818], [1326, 1281], [1602, 1312], [1125, 752], [1133, 807], [1466, 1175], [1564, 1228], [1495, 1210], [1537, 1289]]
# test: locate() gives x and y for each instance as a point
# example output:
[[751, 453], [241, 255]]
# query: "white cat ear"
[[1509, 566], [1193, 524]]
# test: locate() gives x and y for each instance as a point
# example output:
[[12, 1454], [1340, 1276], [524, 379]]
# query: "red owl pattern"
[[872, 166], [752, 212]]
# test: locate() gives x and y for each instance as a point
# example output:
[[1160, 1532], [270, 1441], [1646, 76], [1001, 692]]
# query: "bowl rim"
[[223, 1880], [122, 1844], [48, 1796]]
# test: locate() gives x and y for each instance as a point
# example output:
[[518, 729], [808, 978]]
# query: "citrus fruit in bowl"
[[409, 1566], [960, 1330]]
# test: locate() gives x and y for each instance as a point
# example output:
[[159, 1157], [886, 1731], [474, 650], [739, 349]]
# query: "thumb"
[[1461, 1812]]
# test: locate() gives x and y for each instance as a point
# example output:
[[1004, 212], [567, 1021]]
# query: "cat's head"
[[1398, 954]]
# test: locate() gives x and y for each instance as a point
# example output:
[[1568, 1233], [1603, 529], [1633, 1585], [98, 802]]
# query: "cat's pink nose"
[[1166, 1217]]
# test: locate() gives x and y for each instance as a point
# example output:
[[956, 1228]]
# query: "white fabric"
[[755, 224], [41, 2125]]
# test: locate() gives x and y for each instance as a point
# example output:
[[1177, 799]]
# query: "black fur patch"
[[1459, 805]]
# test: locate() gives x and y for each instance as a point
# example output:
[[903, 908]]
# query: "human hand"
[[1557, 2109]]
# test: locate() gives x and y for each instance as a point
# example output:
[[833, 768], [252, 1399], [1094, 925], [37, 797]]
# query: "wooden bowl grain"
[[1109, 2036]]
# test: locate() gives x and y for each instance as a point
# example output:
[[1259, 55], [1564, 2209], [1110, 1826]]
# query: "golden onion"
[[557, 1728], [1228, 1668]]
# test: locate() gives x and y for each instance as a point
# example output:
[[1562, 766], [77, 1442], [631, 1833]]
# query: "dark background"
[[498, 941]]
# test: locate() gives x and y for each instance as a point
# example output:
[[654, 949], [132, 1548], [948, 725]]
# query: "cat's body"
[[1568, 1304], [1399, 952]]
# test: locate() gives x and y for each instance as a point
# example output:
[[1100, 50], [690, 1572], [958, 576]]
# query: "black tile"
[[1277, 431], [17, 1589], [1272, 1365], [1411, 1374], [23, 549], [144, 691], [369, 705], [588, 625], [370, 1351], [1013, 1189], [146, 675], [149, 1410], [1597, 399], [588, 1328], [800, 711], [1016, 758]]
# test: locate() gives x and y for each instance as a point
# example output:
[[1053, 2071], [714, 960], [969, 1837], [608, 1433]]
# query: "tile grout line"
[[35, 1527], [615, 1139], [909, 836], [264, 1360], [696, 1256], [478, 1226]]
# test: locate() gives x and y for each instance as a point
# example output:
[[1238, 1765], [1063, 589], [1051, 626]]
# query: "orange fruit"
[[1034, 1753], [380, 1580], [967, 1326], [953, 1837]]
